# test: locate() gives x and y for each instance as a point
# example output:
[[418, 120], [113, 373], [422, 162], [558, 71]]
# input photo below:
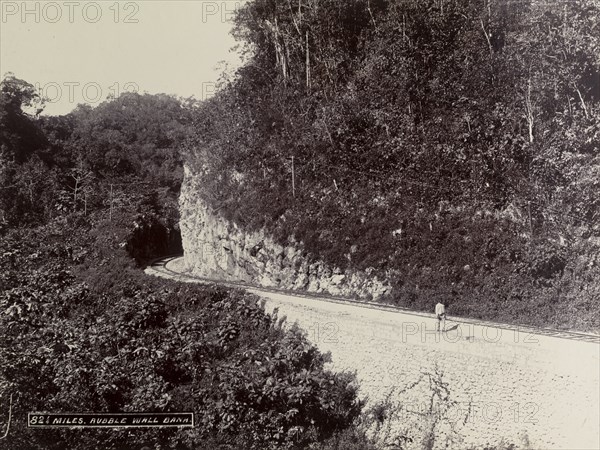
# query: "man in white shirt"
[[440, 314]]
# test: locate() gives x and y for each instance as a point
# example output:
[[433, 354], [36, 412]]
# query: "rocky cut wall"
[[219, 249]]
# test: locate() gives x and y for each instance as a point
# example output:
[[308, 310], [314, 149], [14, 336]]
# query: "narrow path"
[[478, 384]]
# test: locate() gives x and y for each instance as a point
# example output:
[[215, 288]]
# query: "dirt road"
[[475, 385]]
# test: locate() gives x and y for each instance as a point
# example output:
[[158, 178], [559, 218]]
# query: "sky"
[[83, 51]]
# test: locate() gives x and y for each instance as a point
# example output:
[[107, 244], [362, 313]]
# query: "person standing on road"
[[440, 315]]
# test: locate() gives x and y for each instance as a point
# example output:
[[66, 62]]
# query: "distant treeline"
[[89, 160]]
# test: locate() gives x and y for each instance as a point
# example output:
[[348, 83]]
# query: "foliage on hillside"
[[85, 331], [452, 146], [89, 160], [84, 327]]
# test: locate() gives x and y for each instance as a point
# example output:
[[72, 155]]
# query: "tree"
[[20, 135]]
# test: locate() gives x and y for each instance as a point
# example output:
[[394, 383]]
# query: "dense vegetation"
[[109, 339], [453, 146], [104, 159], [84, 330]]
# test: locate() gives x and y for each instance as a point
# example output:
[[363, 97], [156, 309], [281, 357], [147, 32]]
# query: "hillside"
[[450, 148], [85, 199]]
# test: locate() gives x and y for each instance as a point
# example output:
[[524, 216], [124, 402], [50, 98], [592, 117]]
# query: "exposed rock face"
[[216, 248]]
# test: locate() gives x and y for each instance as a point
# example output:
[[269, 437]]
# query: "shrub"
[[80, 337]]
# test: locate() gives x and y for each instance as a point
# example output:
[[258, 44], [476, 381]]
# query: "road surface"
[[478, 384]]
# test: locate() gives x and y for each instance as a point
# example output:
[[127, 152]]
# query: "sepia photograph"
[[300, 224]]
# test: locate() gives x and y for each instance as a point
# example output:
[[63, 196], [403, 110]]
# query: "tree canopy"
[[416, 129]]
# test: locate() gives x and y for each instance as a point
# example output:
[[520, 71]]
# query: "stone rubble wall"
[[217, 248]]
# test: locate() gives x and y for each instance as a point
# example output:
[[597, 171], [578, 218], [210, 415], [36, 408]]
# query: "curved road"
[[479, 384]]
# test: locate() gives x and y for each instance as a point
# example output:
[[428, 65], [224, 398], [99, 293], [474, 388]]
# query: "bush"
[[81, 336]]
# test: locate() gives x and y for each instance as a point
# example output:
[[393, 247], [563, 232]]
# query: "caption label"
[[109, 420]]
